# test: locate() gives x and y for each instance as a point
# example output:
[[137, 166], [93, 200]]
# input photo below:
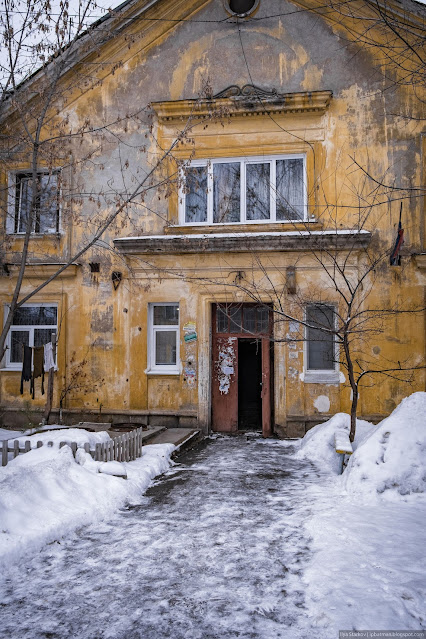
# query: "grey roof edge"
[[78, 43]]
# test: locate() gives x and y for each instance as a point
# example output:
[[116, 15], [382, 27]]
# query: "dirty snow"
[[247, 538], [216, 550], [45, 494]]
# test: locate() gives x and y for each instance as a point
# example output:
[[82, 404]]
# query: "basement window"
[[249, 190]]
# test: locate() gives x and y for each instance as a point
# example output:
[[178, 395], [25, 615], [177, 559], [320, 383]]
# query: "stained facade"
[[257, 135]]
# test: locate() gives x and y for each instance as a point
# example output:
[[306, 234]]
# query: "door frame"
[[267, 367]]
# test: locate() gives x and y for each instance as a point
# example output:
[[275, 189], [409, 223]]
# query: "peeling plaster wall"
[[296, 52]]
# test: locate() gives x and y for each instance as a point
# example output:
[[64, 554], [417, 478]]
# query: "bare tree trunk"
[[354, 407], [354, 386]]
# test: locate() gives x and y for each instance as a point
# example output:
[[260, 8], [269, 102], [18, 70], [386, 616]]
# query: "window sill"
[[168, 373], [321, 377], [21, 236], [243, 227], [13, 369]]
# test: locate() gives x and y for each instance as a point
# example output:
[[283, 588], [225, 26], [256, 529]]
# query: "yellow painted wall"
[[108, 328]]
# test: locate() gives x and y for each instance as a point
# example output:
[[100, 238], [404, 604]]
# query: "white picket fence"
[[124, 448]]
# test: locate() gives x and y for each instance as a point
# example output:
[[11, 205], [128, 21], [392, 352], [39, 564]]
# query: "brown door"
[[225, 384], [241, 368], [266, 387]]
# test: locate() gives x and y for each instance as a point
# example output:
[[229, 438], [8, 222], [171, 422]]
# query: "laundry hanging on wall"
[[26, 366], [38, 368], [34, 361], [49, 362]]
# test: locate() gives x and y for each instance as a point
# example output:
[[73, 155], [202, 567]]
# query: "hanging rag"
[[38, 368], [49, 362], [26, 366]]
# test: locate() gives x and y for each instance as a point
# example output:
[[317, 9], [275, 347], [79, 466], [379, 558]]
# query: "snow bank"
[[6, 434], [45, 494], [393, 457], [67, 435], [367, 566], [318, 443], [388, 456]]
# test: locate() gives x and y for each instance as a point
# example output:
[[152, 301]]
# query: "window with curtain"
[[320, 337]]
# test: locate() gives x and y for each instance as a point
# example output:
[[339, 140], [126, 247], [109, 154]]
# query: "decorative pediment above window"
[[244, 102]]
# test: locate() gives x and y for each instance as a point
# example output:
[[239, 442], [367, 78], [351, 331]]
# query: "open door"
[[241, 368], [249, 384]]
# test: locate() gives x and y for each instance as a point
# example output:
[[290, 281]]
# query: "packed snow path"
[[215, 550]]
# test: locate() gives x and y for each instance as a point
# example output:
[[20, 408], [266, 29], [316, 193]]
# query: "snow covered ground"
[[247, 538], [368, 525], [45, 494]]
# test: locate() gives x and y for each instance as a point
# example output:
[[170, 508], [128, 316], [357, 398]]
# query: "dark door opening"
[[249, 384]]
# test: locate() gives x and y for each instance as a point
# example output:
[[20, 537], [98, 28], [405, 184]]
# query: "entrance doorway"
[[249, 384], [241, 368]]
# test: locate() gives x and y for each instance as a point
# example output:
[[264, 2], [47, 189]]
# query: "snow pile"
[[318, 443], [6, 434], [67, 435], [45, 494], [393, 457]]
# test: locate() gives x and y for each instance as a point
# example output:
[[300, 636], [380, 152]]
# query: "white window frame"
[[244, 162], [17, 366], [162, 369], [12, 222], [316, 375]]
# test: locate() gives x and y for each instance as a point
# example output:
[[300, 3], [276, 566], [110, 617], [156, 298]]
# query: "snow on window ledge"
[[321, 377]]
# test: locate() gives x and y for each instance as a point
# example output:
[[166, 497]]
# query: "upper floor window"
[[32, 325], [236, 190], [42, 194]]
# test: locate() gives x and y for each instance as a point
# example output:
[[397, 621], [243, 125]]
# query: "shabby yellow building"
[[219, 196]]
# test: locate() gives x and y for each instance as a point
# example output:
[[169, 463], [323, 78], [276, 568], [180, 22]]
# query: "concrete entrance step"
[[180, 437]]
